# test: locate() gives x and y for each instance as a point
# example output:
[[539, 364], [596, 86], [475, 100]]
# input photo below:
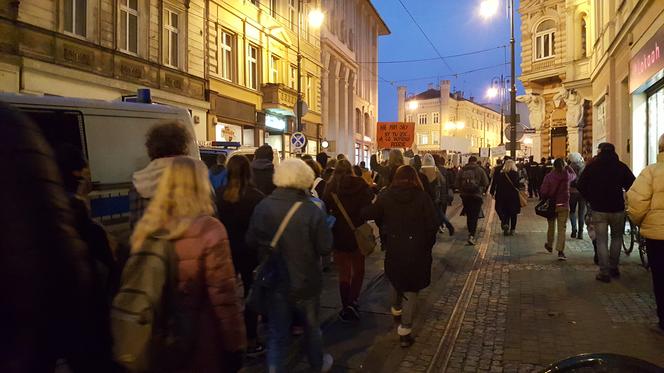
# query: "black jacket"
[[480, 178], [355, 195], [262, 172], [236, 217], [506, 194], [604, 181], [408, 223]]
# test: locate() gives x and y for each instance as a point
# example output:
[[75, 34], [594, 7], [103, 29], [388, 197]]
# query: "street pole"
[[298, 106], [512, 86], [502, 109]]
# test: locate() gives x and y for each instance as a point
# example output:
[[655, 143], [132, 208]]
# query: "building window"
[[128, 33], [274, 69], [424, 139], [226, 55], [171, 46], [422, 118], [436, 137], [273, 8], [292, 77], [292, 14], [76, 16], [409, 118], [436, 118], [309, 91], [252, 67], [584, 31], [545, 40]]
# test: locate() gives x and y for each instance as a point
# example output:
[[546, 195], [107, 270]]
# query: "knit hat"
[[428, 161]]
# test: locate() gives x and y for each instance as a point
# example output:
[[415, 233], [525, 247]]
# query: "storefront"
[[646, 85], [234, 121]]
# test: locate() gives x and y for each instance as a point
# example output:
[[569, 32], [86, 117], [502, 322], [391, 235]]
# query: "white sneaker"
[[395, 311], [328, 361], [471, 241]]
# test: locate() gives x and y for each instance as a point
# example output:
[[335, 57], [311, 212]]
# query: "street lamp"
[[315, 19], [497, 89], [488, 8], [413, 105]]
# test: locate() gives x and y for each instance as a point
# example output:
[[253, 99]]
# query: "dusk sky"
[[454, 27]]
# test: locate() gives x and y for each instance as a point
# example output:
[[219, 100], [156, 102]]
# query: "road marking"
[[449, 337]]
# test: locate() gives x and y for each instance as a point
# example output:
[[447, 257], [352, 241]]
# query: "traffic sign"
[[298, 140], [305, 108], [520, 131]]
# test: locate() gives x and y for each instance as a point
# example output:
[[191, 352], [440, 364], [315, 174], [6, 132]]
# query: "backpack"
[[151, 332], [469, 183]]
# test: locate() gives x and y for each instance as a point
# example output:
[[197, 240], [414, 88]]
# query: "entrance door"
[[655, 127], [559, 142]]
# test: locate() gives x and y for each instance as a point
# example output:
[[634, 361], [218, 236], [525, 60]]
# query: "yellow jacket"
[[645, 200]]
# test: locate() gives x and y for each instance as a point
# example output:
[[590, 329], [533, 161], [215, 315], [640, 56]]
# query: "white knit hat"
[[428, 161]]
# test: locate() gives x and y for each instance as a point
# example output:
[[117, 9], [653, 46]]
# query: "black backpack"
[[469, 183]]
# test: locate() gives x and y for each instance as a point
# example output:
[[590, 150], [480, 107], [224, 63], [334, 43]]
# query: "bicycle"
[[630, 232], [643, 254]]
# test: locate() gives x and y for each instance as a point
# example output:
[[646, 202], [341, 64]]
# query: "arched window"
[[584, 31], [358, 121], [545, 40], [367, 124]]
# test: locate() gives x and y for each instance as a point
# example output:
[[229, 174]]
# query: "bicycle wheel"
[[643, 253], [629, 236]]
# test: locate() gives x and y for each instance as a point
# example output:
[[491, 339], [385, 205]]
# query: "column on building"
[[333, 99], [350, 130], [343, 112], [325, 95]]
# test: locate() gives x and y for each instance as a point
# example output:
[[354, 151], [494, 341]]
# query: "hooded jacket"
[[144, 186], [645, 200], [262, 172], [556, 185], [354, 194], [479, 175], [408, 223], [604, 181]]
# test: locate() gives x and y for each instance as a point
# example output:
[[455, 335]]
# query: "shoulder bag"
[[523, 197], [267, 272], [364, 234], [546, 208]]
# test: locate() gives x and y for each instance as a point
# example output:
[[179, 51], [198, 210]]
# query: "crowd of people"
[[216, 253]]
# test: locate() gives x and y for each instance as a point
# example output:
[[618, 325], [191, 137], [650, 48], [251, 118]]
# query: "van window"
[[60, 126]]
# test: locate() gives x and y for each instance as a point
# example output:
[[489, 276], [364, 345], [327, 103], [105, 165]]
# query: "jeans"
[[351, 275], [508, 220], [279, 323], [577, 211], [609, 257], [250, 317], [472, 206], [561, 219], [406, 302], [655, 250], [442, 215]]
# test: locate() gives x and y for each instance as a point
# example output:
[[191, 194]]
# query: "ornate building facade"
[[349, 81], [555, 63]]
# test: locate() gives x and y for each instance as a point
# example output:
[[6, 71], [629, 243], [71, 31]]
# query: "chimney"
[[401, 104], [472, 99], [444, 101]]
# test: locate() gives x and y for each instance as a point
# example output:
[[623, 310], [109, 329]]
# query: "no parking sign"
[[298, 141]]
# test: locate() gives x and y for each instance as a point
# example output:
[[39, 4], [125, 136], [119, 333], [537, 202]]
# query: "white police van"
[[111, 135]]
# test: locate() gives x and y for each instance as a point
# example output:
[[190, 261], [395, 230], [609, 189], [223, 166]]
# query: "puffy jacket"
[[306, 238], [354, 194], [262, 171], [645, 200], [207, 281], [604, 181], [556, 185]]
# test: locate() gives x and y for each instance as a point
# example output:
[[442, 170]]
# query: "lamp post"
[[488, 8], [497, 89], [316, 18]]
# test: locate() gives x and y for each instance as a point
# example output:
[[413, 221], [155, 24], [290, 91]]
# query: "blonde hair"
[[184, 194], [509, 165]]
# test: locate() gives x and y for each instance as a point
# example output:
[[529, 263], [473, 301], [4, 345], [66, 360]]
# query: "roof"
[[383, 29], [431, 93], [58, 101]]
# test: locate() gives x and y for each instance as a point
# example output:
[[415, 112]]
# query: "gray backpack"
[[151, 332]]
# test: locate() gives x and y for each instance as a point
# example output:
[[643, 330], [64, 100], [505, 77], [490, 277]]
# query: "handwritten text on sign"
[[395, 135]]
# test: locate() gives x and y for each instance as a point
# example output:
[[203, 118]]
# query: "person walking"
[[408, 222], [472, 182], [505, 189], [645, 206], [297, 254], [436, 186], [603, 184], [218, 174], [386, 172], [345, 196], [555, 186], [236, 202], [164, 142], [262, 168], [577, 205], [181, 212]]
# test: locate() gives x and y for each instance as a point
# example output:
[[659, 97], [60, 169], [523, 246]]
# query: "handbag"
[[364, 234], [523, 197], [546, 208], [267, 272]]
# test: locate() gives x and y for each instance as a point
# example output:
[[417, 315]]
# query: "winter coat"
[[578, 169], [47, 276], [645, 200], [218, 176], [506, 194], [144, 186], [604, 181], [262, 171], [408, 223], [556, 185], [236, 217], [355, 195], [306, 238], [207, 285], [480, 178]]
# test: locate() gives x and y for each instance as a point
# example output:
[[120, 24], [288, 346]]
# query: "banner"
[[395, 135]]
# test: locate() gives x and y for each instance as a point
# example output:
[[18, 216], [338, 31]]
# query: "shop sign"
[[274, 122], [647, 64], [395, 134]]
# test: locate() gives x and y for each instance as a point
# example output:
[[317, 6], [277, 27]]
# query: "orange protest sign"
[[395, 134]]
